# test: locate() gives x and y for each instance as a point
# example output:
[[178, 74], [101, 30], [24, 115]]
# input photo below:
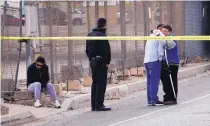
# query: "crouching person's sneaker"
[[57, 104], [37, 104]]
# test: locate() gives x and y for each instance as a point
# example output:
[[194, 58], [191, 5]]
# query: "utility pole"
[[31, 25]]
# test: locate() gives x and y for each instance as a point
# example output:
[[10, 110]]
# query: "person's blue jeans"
[[153, 79], [36, 89]]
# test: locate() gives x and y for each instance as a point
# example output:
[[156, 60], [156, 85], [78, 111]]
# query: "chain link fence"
[[77, 19], [10, 26], [67, 59]]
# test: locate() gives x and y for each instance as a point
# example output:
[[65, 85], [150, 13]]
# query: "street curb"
[[193, 71], [15, 119], [125, 89]]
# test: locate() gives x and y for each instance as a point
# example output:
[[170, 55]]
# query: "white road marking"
[[137, 117]]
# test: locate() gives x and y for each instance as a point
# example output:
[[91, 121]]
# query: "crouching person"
[[38, 80]]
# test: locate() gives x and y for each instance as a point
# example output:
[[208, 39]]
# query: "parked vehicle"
[[11, 20], [78, 16], [127, 19], [60, 18]]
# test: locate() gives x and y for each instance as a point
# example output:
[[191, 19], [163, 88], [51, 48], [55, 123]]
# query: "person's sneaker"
[[153, 104], [159, 103], [170, 103], [57, 104], [37, 104]]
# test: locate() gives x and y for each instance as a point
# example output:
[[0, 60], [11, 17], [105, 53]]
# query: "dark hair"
[[160, 25], [168, 27], [41, 59], [101, 22]]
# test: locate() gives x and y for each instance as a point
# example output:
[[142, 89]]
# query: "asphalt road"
[[192, 109]]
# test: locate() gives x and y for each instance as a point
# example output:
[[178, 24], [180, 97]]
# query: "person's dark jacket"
[[98, 47], [38, 75]]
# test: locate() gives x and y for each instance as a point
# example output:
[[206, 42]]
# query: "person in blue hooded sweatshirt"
[[172, 67]]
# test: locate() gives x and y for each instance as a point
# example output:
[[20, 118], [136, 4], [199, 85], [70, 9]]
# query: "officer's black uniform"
[[99, 54]]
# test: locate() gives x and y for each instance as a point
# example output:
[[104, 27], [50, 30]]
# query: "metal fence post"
[[70, 42], [21, 16], [20, 46], [135, 30], [146, 20], [51, 42], [88, 17], [96, 10], [123, 33], [2, 34], [161, 21], [28, 33], [88, 27], [3, 21], [2, 28], [105, 10], [39, 28]]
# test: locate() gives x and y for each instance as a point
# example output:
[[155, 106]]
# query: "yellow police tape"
[[111, 38]]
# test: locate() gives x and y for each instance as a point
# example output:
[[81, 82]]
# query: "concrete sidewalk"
[[29, 113], [122, 90]]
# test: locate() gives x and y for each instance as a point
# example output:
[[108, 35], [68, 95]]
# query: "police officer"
[[99, 54]]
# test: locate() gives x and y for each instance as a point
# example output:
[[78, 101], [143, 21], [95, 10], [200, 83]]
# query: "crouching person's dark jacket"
[[38, 75]]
